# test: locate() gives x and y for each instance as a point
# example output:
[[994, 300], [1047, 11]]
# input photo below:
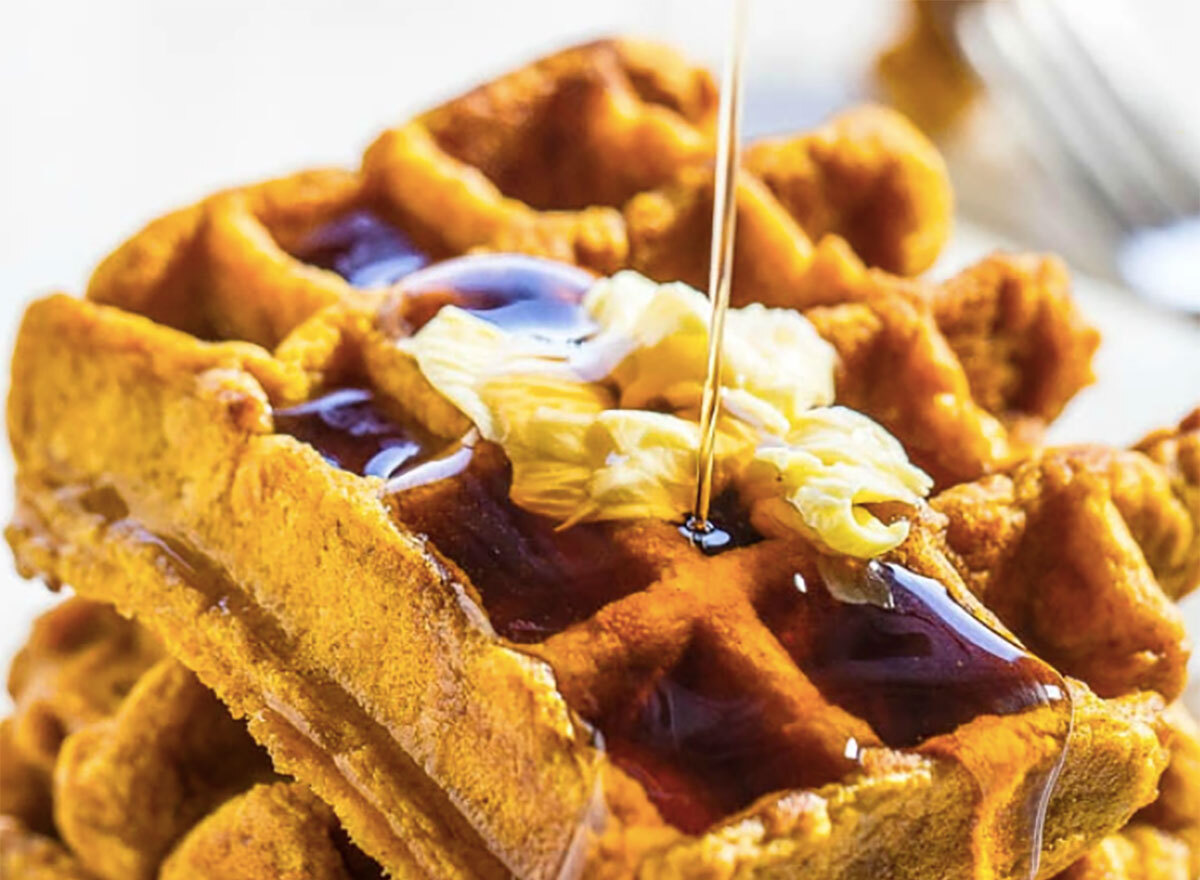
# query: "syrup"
[[698, 746], [698, 529], [362, 248], [903, 654], [727, 527], [533, 578], [518, 293], [352, 433], [894, 648]]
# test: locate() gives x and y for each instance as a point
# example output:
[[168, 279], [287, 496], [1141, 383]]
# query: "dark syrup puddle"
[[362, 248]]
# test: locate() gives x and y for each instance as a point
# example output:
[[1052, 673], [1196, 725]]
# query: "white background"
[[112, 112]]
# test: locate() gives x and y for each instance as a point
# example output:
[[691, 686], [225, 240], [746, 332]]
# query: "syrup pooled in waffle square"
[[229, 443]]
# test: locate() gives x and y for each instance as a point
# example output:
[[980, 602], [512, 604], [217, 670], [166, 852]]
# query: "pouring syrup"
[[702, 532]]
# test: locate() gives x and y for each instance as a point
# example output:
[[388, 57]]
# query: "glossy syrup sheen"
[[518, 293], [907, 658], [533, 578], [727, 527], [913, 663], [351, 432], [697, 742], [896, 649], [363, 248]]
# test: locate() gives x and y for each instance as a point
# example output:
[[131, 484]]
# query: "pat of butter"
[[607, 429]]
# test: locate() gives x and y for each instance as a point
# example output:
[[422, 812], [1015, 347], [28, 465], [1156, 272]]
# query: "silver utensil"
[[1088, 105]]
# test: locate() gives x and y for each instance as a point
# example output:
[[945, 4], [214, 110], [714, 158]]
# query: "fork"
[[1083, 94]]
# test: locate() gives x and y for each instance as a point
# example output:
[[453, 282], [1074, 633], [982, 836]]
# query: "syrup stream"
[[720, 273]]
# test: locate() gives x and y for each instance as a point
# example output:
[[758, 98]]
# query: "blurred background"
[[114, 112]]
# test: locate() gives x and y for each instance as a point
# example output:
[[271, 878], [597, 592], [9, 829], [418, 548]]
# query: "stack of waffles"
[[289, 656]]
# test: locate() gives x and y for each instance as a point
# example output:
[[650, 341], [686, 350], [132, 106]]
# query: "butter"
[[654, 345], [607, 428], [834, 461]]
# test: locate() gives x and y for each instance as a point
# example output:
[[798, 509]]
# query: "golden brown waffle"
[[77, 667], [1163, 841], [375, 646], [599, 155], [201, 418], [279, 830], [125, 789], [28, 855], [1043, 541], [165, 771]]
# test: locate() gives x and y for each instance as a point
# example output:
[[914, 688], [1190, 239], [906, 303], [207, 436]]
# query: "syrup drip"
[[520, 294], [698, 529], [728, 527], [351, 433], [894, 649], [363, 249]]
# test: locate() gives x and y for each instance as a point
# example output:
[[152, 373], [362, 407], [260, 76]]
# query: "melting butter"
[[607, 428]]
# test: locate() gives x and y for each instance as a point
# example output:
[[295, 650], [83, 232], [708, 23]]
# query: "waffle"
[[1161, 841], [414, 657], [278, 829], [964, 373], [157, 786]]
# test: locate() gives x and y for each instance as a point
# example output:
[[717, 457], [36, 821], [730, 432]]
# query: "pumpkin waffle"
[[164, 783], [492, 696], [278, 829], [964, 373]]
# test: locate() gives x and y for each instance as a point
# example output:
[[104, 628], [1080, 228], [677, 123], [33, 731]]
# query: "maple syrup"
[[697, 743], [521, 294], [702, 533], [352, 433], [894, 648], [727, 526], [363, 248], [534, 579]]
